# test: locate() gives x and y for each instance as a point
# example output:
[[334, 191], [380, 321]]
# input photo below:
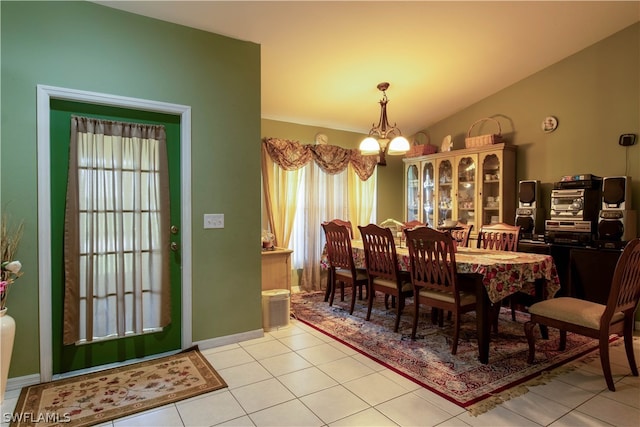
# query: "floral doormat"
[[428, 361], [98, 397]]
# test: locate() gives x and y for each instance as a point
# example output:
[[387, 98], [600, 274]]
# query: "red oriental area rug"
[[428, 361], [98, 397]]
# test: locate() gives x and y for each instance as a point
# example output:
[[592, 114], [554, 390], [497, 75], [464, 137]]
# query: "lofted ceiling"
[[321, 61]]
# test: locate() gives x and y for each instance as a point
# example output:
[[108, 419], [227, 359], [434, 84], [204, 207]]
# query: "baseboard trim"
[[229, 339], [17, 383]]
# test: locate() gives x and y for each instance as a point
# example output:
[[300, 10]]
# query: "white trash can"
[[275, 309]]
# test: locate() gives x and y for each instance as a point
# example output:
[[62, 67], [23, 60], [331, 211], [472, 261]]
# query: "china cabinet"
[[474, 185]]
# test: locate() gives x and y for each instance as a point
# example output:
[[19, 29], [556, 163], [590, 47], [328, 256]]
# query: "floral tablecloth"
[[503, 273]]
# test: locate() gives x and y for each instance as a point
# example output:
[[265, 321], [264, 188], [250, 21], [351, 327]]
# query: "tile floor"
[[297, 376]]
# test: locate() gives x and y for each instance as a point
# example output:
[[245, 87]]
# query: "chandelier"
[[379, 140]]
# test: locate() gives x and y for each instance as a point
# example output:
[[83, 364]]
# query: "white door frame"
[[44, 96]]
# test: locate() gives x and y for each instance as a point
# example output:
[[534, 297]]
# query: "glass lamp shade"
[[369, 146], [399, 145]]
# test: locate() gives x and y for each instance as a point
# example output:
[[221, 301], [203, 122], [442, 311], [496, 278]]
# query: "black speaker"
[[615, 225], [529, 214], [616, 192], [528, 194]]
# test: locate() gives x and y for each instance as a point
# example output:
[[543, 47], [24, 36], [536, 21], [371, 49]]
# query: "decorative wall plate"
[[321, 139], [549, 124]]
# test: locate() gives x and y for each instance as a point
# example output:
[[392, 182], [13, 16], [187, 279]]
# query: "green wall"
[[595, 94], [85, 46]]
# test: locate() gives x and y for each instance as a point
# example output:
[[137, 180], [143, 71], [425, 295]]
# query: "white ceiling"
[[321, 61]]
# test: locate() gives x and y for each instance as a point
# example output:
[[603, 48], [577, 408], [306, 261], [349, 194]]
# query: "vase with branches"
[[10, 268]]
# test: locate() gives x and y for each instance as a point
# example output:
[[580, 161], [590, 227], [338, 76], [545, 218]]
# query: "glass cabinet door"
[[491, 175], [466, 190], [413, 193], [428, 194], [445, 181]]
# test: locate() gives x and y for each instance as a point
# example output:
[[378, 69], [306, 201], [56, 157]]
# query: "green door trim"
[[44, 96]]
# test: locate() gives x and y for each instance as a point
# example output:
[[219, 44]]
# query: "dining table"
[[493, 275]]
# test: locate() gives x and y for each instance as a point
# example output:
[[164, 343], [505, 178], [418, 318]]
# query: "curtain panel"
[[116, 242], [291, 155]]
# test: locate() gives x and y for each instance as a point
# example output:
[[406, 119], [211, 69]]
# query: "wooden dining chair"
[[461, 236], [345, 223], [501, 237], [596, 320], [342, 268], [383, 270], [412, 224], [432, 261]]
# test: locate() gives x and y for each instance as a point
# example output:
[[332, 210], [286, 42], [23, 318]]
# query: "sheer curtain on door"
[[117, 228]]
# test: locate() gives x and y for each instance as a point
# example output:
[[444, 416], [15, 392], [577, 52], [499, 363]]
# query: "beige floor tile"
[[344, 348], [265, 338], [241, 375], [367, 418], [563, 393], [292, 413], [320, 354], [284, 363], [411, 410], [292, 329], [369, 362], [210, 409], [586, 379], [237, 422], [611, 412], [300, 341], [345, 369], [257, 396], [166, 416], [529, 405], [307, 381], [334, 404], [375, 388], [225, 359], [627, 392], [578, 419], [498, 416], [267, 349], [439, 401], [401, 379]]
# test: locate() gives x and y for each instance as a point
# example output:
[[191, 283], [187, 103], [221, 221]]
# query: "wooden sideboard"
[[276, 269], [584, 272]]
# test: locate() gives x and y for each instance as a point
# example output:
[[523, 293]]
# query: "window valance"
[[291, 155]]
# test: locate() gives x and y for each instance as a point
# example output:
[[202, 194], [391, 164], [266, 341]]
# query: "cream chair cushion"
[[406, 287], [466, 298], [573, 310], [360, 275]]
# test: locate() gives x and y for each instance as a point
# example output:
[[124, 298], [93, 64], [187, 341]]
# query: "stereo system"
[[573, 217], [616, 221], [585, 210], [530, 213]]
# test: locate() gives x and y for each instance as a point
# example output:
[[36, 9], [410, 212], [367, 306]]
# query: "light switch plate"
[[213, 220]]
